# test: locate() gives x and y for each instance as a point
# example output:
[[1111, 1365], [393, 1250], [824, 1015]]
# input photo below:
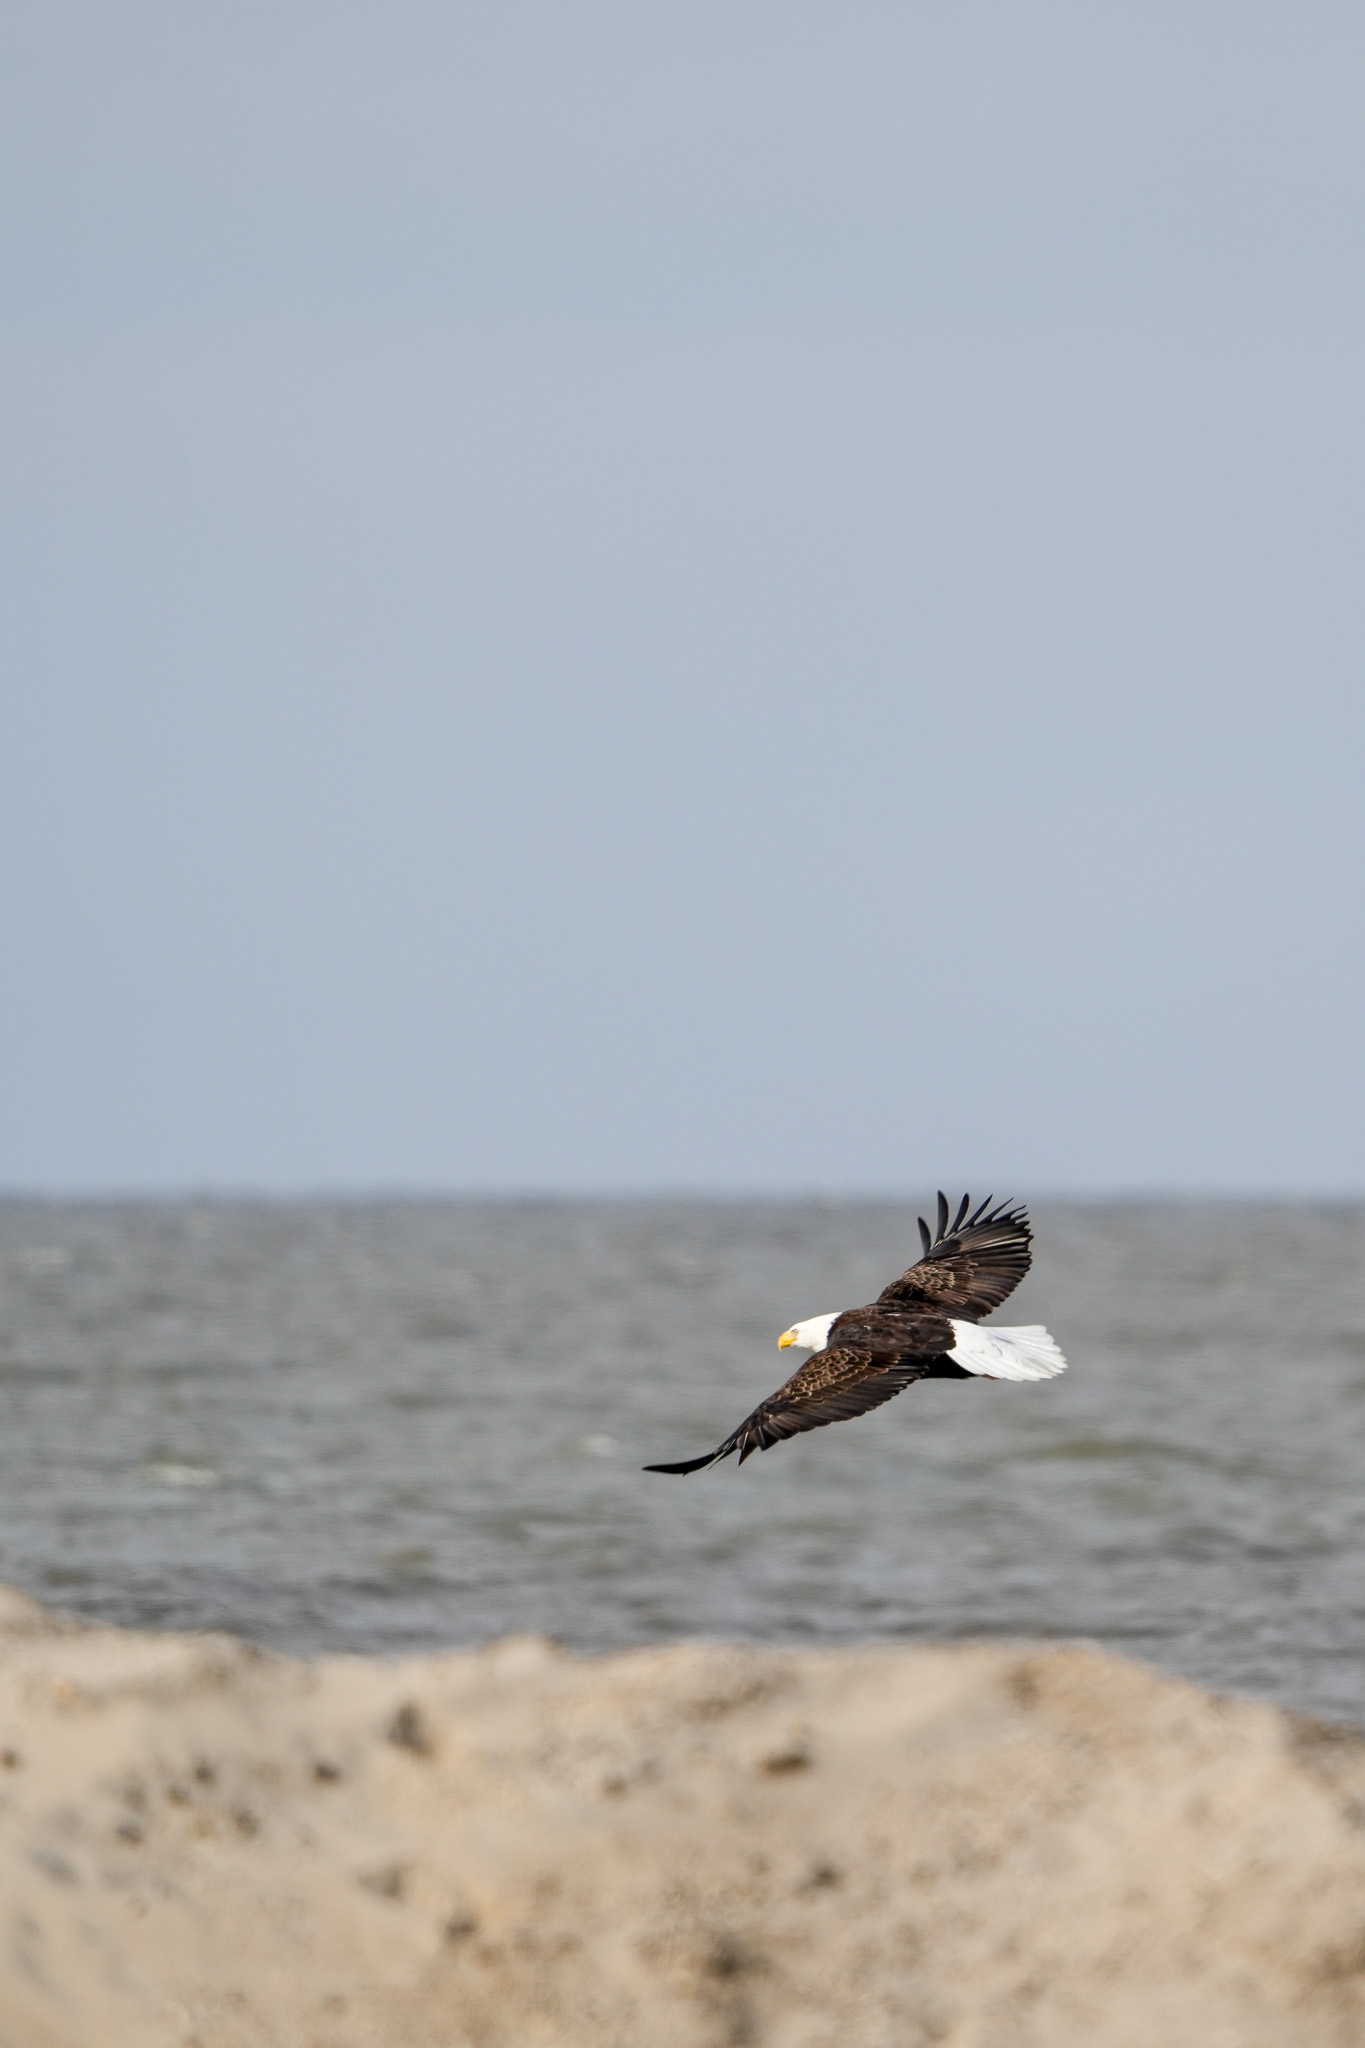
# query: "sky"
[[750, 597]]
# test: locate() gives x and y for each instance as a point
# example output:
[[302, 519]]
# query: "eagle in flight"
[[924, 1326]]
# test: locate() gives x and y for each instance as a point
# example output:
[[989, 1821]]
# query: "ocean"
[[390, 1425]]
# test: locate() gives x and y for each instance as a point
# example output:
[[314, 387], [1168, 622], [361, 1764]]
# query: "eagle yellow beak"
[[787, 1337]]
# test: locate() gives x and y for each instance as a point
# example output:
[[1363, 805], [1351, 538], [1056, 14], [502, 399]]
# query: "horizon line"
[[841, 1195]]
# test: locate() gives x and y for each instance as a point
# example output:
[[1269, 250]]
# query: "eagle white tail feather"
[[1024, 1353]]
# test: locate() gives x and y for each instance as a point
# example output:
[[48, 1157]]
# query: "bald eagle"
[[924, 1326]]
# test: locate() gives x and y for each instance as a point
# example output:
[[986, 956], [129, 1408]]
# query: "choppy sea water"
[[390, 1425]]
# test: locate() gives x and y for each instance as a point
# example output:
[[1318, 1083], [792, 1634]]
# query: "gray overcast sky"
[[730, 596]]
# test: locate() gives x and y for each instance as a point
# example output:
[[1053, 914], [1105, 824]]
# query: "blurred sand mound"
[[693, 1847]]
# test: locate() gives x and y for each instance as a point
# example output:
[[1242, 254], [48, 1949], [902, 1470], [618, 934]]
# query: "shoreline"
[[988, 1845]]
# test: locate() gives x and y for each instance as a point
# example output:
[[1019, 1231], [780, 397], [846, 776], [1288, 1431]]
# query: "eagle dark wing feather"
[[833, 1386], [969, 1266]]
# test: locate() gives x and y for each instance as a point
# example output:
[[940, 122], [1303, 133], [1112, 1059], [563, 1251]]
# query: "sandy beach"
[[689, 1847]]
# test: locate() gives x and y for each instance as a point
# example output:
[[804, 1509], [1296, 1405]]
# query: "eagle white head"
[[812, 1335]]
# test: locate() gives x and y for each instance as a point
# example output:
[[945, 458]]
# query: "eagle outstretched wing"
[[970, 1266], [833, 1386]]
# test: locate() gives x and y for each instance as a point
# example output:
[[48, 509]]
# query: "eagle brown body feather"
[[874, 1353]]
